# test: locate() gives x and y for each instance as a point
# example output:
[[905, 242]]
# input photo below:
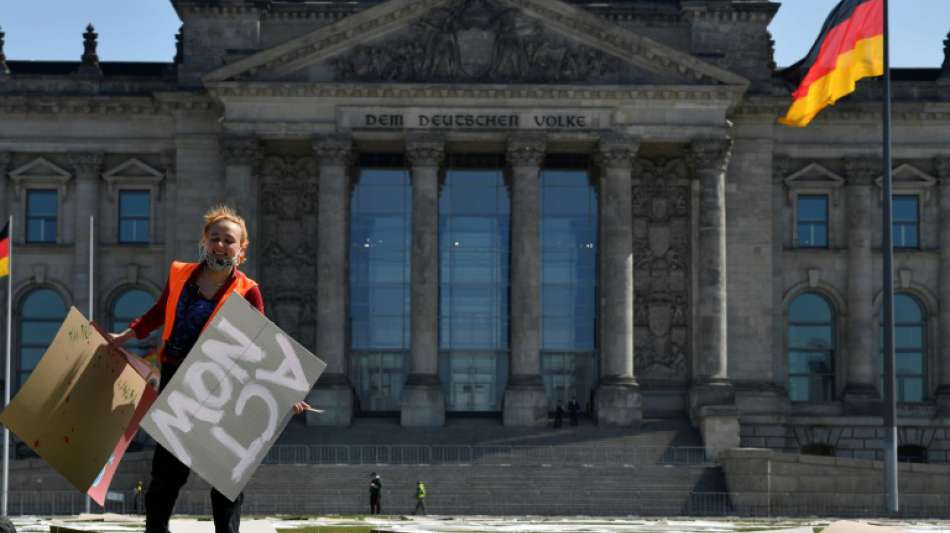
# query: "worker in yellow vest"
[[420, 498]]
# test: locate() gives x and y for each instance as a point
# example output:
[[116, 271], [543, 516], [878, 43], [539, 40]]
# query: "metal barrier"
[[485, 455]]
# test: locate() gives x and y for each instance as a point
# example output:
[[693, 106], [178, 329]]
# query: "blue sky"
[[143, 30]]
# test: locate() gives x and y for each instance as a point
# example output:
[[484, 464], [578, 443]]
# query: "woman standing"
[[193, 294]]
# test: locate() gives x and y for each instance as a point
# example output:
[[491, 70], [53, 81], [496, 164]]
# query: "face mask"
[[215, 264]]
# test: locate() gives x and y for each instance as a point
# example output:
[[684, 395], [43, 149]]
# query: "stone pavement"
[[474, 524]]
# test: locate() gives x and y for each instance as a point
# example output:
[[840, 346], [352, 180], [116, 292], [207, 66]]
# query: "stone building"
[[497, 205]]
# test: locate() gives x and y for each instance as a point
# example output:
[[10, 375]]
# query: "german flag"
[[5, 250], [850, 47]]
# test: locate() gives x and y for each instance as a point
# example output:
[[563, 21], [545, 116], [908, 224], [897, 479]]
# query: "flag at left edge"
[[5, 250]]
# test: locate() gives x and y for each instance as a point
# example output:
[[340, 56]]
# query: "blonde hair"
[[223, 212]]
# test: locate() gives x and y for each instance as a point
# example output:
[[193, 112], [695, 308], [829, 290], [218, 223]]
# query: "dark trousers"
[[374, 504], [420, 506], [169, 475]]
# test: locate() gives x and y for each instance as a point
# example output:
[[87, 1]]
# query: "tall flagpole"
[[6, 368], [887, 250], [92, 237]]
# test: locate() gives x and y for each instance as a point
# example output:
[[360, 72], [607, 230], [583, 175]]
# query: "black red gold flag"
[[849, 48], [5, 250]]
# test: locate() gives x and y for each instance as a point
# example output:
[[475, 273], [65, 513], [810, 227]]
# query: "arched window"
[[41, 314], [910, 323], [126, 308], [811, 346]]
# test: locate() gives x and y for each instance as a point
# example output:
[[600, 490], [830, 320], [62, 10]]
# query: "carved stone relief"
[[478, 41], [289, 204], [661, 269]]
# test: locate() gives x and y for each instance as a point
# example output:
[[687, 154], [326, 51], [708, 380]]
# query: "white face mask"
[[214, 263]]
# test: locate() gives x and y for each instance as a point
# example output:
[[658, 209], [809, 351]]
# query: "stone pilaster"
[[333, 391], [943, 389], [861, 392], [241, 190], [712, 396], [617, 398], [423, 401], [87, 167], [525, 403]]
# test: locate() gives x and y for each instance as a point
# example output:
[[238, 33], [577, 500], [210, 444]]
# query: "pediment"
[[475, 41], [908, 176], [132, 172], [814, 175], [40, 168]]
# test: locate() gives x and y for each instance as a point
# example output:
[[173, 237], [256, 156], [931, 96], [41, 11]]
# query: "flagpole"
[[6, 369], [92, 237], [887, 250]]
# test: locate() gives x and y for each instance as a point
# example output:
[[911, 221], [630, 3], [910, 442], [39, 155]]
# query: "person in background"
[[375, 493], [137, 499], [573, 410], [193, 294], [420, 498]]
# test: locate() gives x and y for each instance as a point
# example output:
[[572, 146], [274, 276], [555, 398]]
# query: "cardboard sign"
[[81, 406], [232, 396]]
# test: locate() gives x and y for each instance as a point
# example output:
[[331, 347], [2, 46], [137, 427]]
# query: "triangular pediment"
[[475, 41], [814, 175], [908, 176], [40, 168], [133, 169]]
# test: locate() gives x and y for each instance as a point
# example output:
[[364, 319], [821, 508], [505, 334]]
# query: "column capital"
[[526, 149], [942, 164], [425, 149], [617, 151], [862, 171], [86, 164], [709, 154], [240, 150], [334, 150]]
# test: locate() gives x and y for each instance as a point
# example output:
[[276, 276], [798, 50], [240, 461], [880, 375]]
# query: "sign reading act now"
[[232, 396]]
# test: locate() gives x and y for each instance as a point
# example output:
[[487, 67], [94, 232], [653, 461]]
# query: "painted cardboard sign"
[[82, 405], [232, 396]]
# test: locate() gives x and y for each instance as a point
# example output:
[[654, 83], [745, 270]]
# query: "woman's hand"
[[122, 338], [300, 407]]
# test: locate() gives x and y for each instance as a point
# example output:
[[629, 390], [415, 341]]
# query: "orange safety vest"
[[177, 277]]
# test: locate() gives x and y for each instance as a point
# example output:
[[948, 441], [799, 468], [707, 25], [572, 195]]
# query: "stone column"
[[423, 402], [333, 391], [712, 396], [943, 349], [525, 403], [861, 391], [87, 167], [617, 398], [240, 155]]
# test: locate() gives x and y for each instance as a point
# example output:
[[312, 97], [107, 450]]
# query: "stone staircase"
[[584, 470]]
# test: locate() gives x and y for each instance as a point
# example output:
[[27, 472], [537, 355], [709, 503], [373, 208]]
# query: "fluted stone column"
[[712, 396], [617, 398], [240, 155], [525, 403], [860, 392], [423, 401], [87, 167], [333, 391], [943, 363]]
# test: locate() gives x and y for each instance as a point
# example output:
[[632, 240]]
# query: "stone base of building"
[[862, 400], [423, 402], [333, 395], [719, 426], [711, 393], [619, 404], [525, 404]]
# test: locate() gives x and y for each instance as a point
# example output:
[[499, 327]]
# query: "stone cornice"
[[104, 105], [761, 12], [776, 107], [729, 95]]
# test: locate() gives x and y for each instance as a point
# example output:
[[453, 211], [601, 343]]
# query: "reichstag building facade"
[[496, 206]]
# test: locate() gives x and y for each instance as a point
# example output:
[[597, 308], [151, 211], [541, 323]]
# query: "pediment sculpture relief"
[[478, 41]]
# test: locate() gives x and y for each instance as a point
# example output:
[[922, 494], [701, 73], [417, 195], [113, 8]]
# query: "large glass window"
[[41, 214], [811, 348], [380, 248], [130, 305], [474, 223], [41, 314], [134, 216], [568, 281], [812, 221], [909, 348], [906, 222]]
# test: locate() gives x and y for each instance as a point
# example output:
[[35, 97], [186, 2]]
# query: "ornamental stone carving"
[[425, 150], [710, 155], [661, 242], [289, 209], [862, 171], [526, 150], [239, 150], [478, 41], [86, 164], [617, 152], [333, 150]]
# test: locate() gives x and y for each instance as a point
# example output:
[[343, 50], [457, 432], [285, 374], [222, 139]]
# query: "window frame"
[[150, 217], [812, 180], [927, 362], [798, 220], [27, 217], [918, 199], [833, 352], [134, 175], [17, 370]]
